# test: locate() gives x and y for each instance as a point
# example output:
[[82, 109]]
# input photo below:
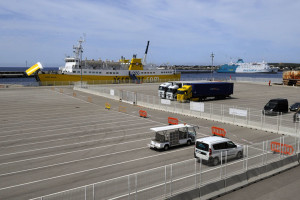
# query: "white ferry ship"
[[241, 67]]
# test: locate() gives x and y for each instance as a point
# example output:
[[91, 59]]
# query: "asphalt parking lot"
[[54, 139]]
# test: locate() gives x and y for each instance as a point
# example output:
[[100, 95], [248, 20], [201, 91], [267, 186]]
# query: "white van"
[[209, 149]]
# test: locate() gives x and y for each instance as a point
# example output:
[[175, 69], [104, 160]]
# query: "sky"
[[181, 32]]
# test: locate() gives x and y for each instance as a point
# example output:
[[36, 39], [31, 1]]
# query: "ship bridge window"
[[78, 72], [114, 73], [93, 72], [107, 72], [96, 72], [74, 72], [117, 72], [84, 72], [110, 72]]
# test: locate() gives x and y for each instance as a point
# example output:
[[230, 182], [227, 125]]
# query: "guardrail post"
[[261, 118], [93, 191], [247, 157], [266, 160], [128, 186], [263, 150], [165, 181], [135, 187], [195, 173], [171, 177], [210, 109], [221, 166], [85, 192], [225, 170]]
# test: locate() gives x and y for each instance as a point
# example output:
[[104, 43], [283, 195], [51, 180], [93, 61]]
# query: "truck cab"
[[184, 93], [172, 92], [162, 89], [174, 135]]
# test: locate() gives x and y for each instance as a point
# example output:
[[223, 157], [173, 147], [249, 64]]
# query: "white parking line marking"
[[92, 169]]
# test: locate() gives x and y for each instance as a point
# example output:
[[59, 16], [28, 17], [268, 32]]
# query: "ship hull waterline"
[[66, 79]]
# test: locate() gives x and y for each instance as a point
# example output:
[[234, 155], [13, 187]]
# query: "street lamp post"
[[212, 64]]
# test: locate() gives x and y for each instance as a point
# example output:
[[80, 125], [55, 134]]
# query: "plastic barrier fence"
[[172, 121], [282, 148], [218, 131], [143, 113]]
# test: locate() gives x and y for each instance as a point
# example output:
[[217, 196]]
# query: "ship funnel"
[[34, 68], [146, 51]]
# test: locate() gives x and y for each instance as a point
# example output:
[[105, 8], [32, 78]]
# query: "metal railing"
[[170, 180], [248, 117]]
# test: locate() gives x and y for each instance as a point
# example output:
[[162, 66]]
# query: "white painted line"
[[64, 134], [73, 161], [55, 126], [68, 145], [63, 128], [92, 169], [69, 152]]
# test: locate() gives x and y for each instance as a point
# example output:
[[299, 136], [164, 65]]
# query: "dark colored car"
[[295, 106], [276, 106]]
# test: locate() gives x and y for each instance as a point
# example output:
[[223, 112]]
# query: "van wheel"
[[189, 142], [166, 147], [239, 155], [215, 161]]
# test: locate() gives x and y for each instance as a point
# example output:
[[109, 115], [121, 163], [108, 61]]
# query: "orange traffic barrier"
[[143, 113], [172, 121], [74, 94], [282, 148], [90, 99], [218, 131]]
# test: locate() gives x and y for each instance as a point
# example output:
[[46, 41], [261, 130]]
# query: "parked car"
[[297, 116], [276, 106], [295, 106], [209, 149]]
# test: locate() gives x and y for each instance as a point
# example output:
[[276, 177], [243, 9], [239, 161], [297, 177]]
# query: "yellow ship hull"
[[66, 79]]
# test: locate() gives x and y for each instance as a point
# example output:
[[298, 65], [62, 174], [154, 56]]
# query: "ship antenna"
[[78, 50], [146, 51], [212, 55]]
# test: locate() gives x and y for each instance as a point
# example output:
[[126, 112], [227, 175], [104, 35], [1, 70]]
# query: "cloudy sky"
[[180, 31]]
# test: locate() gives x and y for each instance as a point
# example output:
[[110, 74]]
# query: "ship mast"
[[146, 51], [78, 50]]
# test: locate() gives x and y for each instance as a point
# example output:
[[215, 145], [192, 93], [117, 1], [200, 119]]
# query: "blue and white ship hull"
[[241, 67]]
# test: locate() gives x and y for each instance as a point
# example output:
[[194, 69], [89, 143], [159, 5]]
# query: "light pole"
[[212, 64]]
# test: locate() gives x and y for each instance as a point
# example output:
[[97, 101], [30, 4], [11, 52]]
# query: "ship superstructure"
[[241, 67]]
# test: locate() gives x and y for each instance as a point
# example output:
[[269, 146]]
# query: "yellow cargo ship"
[[97, 72]]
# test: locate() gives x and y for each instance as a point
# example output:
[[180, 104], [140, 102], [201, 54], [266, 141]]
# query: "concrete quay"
[[55, 139]]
